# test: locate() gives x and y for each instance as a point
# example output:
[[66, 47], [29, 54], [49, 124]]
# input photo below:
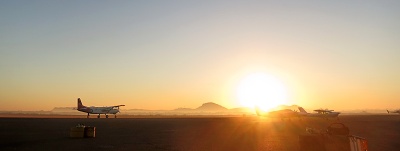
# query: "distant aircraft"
[[98, 110], [285, 113], [395, 111], [320, 113]]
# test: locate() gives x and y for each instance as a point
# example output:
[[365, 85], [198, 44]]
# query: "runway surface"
[[186, 133]]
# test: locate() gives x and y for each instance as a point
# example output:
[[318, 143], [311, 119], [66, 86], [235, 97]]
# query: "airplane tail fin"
[[302, 110], [80, 105]]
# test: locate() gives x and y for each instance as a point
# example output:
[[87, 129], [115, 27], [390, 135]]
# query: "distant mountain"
[[208, 108], [211, 107]]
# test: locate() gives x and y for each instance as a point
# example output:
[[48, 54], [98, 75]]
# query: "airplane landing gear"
[[115, 115], [98, 116], [87, 115], [106, 116]]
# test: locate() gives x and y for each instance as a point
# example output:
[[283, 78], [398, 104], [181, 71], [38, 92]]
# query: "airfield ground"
[[50, 132]]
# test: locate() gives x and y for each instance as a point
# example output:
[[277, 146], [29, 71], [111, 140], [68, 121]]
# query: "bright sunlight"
[[262, 90]]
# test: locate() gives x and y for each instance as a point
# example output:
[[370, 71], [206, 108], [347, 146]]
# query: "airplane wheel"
[[98, 116], [106, 116], [115, 116]]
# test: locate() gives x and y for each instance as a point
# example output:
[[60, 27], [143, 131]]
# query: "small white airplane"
[[98, 110], [320, 113], [395, 111]]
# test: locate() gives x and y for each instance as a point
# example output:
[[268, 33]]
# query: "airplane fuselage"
[[323, 115], [98, 110], [395, 111], [320, 113]]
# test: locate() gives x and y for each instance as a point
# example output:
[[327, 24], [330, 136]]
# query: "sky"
[[166, 54]]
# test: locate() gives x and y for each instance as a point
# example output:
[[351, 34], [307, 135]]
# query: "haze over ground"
[[169, 54]]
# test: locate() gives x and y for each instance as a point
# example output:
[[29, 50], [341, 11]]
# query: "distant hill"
[[210, 106]]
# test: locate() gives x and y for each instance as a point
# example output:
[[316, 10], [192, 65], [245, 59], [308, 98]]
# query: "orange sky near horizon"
[[165, 55]]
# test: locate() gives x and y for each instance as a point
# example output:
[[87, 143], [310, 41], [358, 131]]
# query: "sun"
[[261, 90]]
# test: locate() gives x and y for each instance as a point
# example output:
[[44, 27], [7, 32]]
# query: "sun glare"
[[261, 90]]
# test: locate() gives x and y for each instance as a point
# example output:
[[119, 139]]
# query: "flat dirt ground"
[[38, 132]]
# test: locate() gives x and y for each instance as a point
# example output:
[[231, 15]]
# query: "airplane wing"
[[117, 105]]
